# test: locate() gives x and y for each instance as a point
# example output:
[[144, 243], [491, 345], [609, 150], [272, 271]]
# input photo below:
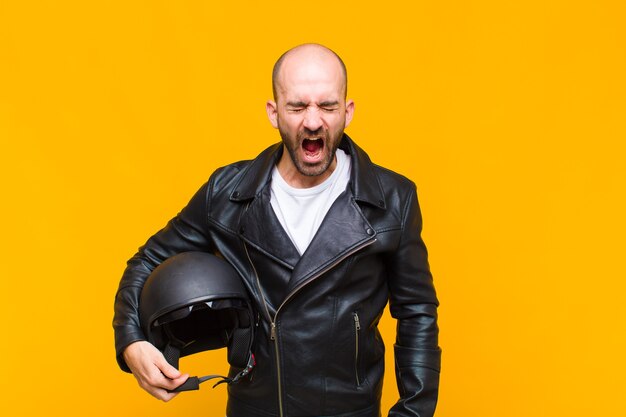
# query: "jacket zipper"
[[357, 333], [273, 333], [272, 329]]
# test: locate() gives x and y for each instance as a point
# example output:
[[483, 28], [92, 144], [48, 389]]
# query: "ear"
[[272, 113], [349, 112]]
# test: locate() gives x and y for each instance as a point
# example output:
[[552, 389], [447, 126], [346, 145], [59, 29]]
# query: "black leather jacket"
[[317, 347]]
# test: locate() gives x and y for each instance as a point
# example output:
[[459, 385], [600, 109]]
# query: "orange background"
[[510, 117]]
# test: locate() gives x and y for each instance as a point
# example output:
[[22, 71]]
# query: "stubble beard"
[[294, 145]]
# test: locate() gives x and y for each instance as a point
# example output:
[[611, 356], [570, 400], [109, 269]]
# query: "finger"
[[157, 385], [162, 394], [167, 393], [171, 384], [168, 370], [169, 396], [159, 380], [166, 396], [169, 377]]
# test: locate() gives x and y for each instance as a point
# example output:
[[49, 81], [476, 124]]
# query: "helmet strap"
[[172, 354], [193, 382]]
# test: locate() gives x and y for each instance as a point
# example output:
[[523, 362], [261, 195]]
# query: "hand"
[[152, 371]]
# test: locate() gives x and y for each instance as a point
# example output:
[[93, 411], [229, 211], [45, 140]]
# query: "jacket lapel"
[[343, 231], [258, 224], [261, 228]]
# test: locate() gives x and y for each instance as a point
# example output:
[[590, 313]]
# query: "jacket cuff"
[[417, 375], [122, 340], [409, 357]]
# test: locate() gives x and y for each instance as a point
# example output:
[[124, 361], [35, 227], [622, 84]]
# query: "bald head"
[[307, 54]]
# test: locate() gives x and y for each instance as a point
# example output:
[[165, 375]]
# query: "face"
[[311, 114]]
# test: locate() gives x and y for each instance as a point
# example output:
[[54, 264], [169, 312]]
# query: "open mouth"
[[312, 147]]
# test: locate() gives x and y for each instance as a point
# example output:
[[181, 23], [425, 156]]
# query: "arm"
[[413, 302], [188, 231]]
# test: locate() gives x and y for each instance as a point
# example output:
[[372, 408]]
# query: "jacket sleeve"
[[413, 303], [188, 231]]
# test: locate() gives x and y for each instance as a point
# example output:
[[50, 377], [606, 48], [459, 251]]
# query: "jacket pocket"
[[357, 348]]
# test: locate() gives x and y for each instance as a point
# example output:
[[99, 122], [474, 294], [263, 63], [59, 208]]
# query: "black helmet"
[[195, 301]]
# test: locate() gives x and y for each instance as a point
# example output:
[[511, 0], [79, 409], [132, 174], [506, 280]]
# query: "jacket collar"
[[364, 182]]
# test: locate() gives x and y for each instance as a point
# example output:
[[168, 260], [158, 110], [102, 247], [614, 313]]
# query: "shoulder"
[[225, 174], [242, 180], [224, 179], [392, 179]]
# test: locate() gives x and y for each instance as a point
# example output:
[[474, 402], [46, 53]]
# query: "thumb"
[[167, 369]]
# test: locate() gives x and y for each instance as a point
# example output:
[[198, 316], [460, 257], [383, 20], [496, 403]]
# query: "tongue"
[[312, 145]]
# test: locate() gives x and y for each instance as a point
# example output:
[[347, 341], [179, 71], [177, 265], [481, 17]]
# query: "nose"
[[312, 119]]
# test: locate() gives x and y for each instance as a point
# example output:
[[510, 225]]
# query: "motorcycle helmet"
[[193, 302]]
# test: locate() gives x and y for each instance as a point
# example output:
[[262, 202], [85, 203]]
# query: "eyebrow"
[[296, 104], [303, 104]]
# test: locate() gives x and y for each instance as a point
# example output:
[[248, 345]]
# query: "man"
[[322, 239]]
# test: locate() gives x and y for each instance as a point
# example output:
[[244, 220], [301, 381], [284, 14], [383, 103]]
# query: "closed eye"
[[329, 106], [295, 106]]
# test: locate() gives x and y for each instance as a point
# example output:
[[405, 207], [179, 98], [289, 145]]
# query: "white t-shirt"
[[301, 210]]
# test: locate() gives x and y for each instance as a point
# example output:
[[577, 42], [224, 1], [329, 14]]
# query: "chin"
[[313, 170]]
